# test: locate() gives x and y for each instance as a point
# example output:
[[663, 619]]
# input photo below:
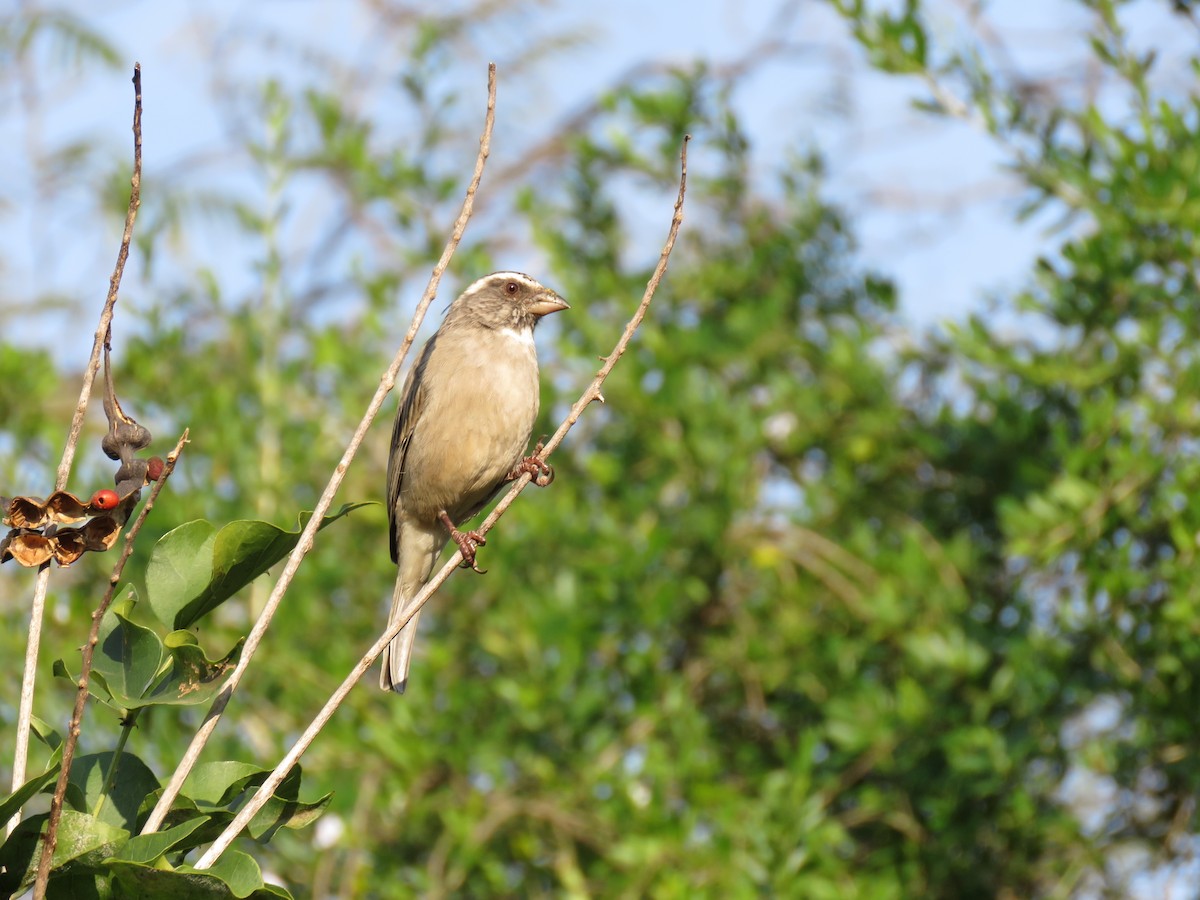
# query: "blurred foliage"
[[816, 607]]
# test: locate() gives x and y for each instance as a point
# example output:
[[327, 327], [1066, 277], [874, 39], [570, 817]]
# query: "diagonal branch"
[[21, 755], [158, 814], [267, 789], [85, 671]]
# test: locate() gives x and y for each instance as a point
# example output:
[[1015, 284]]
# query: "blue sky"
[[929, 201]]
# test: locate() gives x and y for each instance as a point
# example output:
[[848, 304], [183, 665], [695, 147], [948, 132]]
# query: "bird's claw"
[[541, 471], [468, 542]]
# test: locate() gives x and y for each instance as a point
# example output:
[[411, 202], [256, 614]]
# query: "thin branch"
[[158, 814], [28, 681], [264, 793], [21, 756], [85, 671]]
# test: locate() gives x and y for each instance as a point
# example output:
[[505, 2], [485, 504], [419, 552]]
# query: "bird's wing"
[[412, 403]]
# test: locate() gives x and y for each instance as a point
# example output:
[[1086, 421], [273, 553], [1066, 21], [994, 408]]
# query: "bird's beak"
[[547, 303]]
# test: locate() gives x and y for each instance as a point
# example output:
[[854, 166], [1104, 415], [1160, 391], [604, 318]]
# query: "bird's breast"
[[476, 423]]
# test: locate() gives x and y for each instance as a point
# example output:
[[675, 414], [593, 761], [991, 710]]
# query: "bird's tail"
[[417, 552], [397, 656]]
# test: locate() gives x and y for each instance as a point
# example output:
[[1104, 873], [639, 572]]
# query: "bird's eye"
[[511, 288]]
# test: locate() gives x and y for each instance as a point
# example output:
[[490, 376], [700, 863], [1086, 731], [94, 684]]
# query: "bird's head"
[[505, 300]]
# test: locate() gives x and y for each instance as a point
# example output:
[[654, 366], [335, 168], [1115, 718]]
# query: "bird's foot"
[[468, 542], [542, 471]]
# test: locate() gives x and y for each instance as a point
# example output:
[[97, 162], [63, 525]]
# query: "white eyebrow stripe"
[[502, 276]]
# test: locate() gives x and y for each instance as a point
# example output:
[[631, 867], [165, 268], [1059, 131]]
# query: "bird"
[[462, 429]]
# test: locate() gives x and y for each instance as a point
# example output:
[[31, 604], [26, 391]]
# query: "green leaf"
[[285, 809], [211, 822], [18, 798], [238, 870], [218, 783], [133, 667], [234, 875], [80, 886], [147, 848], [129, 656], [47, 734], [194, 678], [183, 810], [132, 781], [83, 843], [180, 568], [193, 570]]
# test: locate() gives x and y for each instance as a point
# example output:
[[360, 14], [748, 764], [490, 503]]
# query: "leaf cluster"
[[147, 657]]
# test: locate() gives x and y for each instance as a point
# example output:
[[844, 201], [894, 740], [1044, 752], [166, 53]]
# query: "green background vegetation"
[[819, 605]]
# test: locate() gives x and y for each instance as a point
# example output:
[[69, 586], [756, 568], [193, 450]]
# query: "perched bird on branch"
[[466, 415]]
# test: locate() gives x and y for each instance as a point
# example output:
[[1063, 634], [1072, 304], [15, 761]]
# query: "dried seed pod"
[[26, 512], [124, 434], [135, 436], [28, 548], [111, 446], [64, 507], [131, 476], [67, 546], [98, 535], [101, 533], [34, 512]]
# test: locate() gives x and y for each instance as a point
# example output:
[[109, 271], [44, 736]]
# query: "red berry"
[[154, 468], [105, 500]]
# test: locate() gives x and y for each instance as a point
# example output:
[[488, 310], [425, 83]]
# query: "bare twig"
[[158, 814], [264, 793], [21, 756], [85, 671]]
